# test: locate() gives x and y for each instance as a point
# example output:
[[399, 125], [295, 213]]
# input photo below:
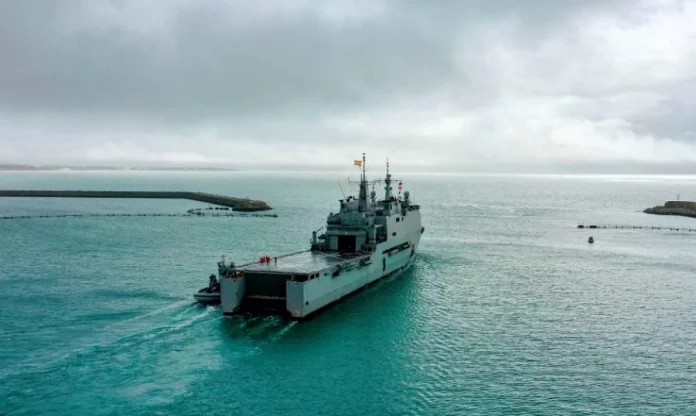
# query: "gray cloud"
[[445, 82], [214, 59]]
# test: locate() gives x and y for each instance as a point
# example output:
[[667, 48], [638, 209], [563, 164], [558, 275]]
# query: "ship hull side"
[[232, 291], [305, 298]]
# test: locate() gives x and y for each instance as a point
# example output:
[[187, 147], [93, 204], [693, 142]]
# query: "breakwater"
[[237, 204], [680, 208]]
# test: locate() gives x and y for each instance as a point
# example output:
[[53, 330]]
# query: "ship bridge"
[[348, 231]]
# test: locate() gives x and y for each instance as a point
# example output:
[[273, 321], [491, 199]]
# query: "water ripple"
[[506, 310]]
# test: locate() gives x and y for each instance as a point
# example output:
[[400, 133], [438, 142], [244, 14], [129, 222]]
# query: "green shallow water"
[[507, 309]]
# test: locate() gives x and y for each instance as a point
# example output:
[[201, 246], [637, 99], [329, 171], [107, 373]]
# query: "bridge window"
[[397, 219], [394, 233]]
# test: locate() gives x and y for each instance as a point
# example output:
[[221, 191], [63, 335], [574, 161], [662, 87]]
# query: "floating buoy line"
[[190, 213], [637, 227]]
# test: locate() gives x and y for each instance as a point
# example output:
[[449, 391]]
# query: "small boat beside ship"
[[207, 296], [210, 294]]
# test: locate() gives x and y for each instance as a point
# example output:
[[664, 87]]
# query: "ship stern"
[[295, 301], [232, 292]]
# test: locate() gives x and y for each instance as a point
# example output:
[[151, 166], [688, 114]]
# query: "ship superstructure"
[[367, 239]]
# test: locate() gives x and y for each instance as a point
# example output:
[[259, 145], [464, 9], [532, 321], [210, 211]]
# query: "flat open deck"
[[305, 262]]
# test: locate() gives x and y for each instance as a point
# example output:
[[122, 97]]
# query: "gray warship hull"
[[302, 283], [364, 242]]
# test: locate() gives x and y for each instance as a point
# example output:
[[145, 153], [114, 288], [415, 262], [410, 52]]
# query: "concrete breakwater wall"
[[237, 204], [681, 208]]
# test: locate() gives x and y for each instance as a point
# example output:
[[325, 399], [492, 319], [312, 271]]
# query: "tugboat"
[[590, 240]]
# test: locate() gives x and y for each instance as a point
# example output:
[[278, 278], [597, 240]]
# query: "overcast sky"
[[448, 83]]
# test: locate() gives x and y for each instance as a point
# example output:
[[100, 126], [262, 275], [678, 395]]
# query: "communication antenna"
[[364, 175], [344, 194]]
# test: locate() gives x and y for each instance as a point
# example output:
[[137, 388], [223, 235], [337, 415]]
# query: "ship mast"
[[362, 200], [387, 183]]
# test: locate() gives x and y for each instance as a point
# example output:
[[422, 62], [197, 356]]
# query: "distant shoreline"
[[372, 169], [58, 168], [679, 208]]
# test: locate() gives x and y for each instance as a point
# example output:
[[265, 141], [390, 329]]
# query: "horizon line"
[[343, 172], [680, 169]]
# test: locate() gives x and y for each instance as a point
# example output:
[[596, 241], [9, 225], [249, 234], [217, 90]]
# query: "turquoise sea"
[[506, 311]]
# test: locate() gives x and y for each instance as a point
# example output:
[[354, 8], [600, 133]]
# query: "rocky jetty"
[[237, 204], [681, 208]]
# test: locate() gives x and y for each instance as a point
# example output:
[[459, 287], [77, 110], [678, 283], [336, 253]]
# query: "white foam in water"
[[284, 330], [152, 313], [128, 339]]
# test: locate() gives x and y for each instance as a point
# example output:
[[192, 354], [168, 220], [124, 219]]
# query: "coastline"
[[679, 208]]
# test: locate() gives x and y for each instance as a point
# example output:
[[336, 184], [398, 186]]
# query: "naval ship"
[[366, 240]]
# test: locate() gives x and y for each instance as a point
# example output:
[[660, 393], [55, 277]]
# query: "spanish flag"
[[357, 162]]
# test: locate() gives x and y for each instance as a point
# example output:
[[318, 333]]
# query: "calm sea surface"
[[507, 310]]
